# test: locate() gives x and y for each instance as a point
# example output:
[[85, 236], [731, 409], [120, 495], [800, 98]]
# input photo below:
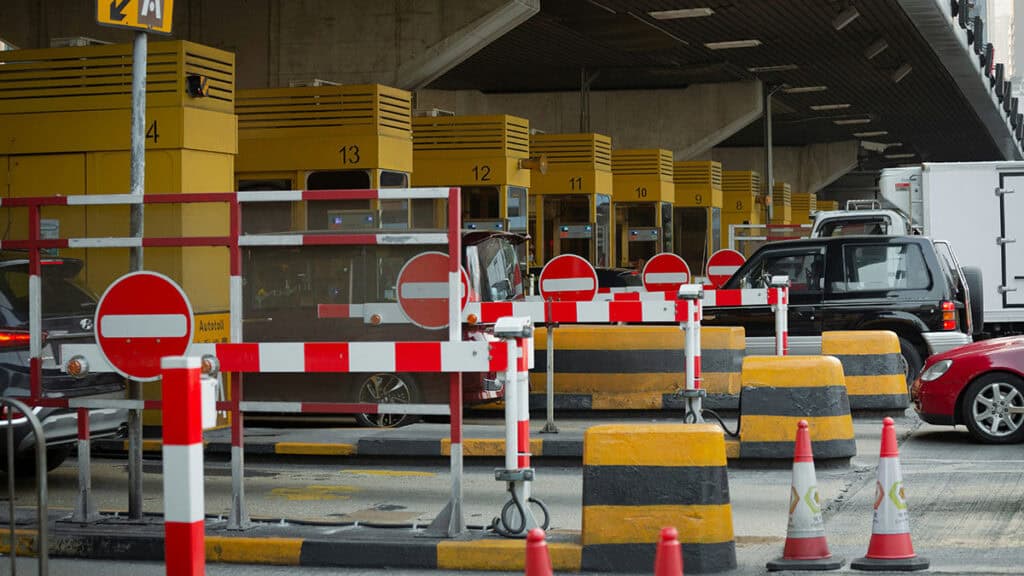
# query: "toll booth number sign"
[[146, 15]]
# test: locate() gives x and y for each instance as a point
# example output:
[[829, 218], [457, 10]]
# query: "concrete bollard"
[[872, 366]]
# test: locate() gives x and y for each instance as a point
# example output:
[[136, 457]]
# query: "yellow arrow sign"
[[146, 15]]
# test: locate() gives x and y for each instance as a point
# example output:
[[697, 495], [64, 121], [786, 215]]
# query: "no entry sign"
[[722, 265], [142, 317], [568, 278], [665, 272], [423, 290]]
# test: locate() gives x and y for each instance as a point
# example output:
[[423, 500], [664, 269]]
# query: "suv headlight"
[[936, 370]]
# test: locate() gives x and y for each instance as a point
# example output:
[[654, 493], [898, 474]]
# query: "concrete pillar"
[[806, 169], [687, 121]]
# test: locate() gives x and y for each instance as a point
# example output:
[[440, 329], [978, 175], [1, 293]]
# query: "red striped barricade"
[[234, 241]]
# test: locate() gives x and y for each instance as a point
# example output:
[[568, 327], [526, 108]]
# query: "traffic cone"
[[668, 557], [538, 562], [890, 547], [806, 547]]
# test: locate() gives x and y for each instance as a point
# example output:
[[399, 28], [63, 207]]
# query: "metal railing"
[[42, 541]]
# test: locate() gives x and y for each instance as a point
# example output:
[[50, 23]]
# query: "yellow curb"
[[238, 550], [314, 449]]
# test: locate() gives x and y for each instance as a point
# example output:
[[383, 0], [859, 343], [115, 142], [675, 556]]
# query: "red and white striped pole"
[[184, 517], [238, 517], [85, 506], [690, 295], [780, 284], [523, 401]]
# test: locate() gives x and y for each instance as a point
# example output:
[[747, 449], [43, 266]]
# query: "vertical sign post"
[[143, 16]]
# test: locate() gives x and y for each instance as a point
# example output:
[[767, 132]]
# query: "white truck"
[[978, 207]]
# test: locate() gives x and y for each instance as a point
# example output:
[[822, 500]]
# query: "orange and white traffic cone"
[[538, 561], [806, 547], [890, 548], [668, 557]]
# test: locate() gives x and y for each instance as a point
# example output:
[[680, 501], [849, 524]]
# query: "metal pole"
[[769, 176], [138, 186], [10, 494], [85, 506], [549, 426]]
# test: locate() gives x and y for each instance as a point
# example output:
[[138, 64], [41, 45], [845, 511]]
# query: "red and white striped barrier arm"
[[579, 312], [299, 357], [184, 512]]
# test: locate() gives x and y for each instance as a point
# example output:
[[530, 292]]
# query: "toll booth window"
[[567, 226], [532, 224], [317, 213], [666, 226], [636, 226], [516, 208], [266, 217], [603, 233], [394, 214], [301, 278], [691, 226], [481, 203]]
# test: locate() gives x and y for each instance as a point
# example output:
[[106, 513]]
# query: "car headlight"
[[936, 370]]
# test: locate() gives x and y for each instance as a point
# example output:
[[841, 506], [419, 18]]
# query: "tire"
[[986, 405], [25, 465], [387, 388], [912, 358], [972, 274]]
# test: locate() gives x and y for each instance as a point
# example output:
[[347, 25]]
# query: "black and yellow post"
[[570, 205], [741, 204], [635, 367], [873, 366], [190, 144], [643, 193], [326, 137], [778, 392], [639, 478], [487, 156], [697, 216]]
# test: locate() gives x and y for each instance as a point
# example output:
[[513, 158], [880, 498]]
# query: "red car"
[[980, 385]]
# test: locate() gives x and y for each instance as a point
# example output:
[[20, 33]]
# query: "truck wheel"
[[387, 388], [972, 274], [993, 409], [912, 358]]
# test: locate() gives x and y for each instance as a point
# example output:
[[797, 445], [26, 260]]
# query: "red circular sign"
[[722, 265], [568, 278], [423, 290], [665, 272], [142, 317]]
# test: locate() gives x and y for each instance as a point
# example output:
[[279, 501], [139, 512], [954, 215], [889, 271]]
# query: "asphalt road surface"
[[966, 500]]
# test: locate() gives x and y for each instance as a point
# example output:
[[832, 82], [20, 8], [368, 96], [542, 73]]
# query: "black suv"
[[67, 316], [906, 284]]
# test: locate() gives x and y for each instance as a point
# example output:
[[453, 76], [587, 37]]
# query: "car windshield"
[[875, 226], [61, 294]]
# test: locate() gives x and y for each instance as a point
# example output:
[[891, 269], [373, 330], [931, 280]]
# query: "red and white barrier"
[[184, 513]]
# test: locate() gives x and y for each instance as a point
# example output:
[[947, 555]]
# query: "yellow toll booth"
[[572, 201], [643, 193], [782, 204], [65, 129], [326, 138], [740, 201], [804, 204], [697, 219], [487, 156]]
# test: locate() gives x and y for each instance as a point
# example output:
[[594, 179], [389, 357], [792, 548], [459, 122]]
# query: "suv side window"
[[875, 267], [805, 269]]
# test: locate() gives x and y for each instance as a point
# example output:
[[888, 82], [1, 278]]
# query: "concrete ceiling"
[[627, 48]]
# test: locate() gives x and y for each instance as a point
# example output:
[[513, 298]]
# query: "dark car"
[[607, 278], [67, 318], [980, 386], [897, 283], [284, 288]]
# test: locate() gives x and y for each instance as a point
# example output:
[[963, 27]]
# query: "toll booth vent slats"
[[472, 133], [782, 200], [372, 105], [703, 174], [643, 162], [593, 150], [100, 78]]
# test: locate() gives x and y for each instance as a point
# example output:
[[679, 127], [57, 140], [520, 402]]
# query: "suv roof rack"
[[863, 205]]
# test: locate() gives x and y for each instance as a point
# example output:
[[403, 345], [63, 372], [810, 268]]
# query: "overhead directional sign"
[[665, 272], [145, 15], [142, 317], [568, 278]]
